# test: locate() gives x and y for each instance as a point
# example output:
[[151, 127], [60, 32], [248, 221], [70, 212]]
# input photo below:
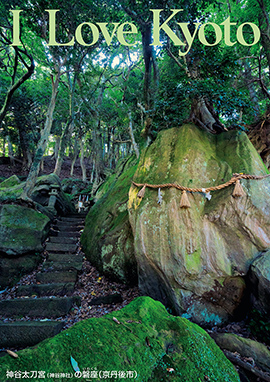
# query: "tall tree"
[[16, 61]]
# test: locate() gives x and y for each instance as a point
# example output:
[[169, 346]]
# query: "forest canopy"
[[121, 71]]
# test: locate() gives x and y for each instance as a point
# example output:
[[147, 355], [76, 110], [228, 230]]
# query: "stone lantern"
[[54, 189]]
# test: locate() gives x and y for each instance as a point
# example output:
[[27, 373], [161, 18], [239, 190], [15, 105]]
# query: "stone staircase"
[[30, 317]]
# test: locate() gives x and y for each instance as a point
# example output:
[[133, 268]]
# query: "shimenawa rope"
[[184, 203]]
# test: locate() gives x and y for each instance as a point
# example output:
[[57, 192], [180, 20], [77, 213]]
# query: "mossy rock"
[[10, 194], [74, 186], [10, 182], [22, 230], [50, 179], [122, 165], [41, 194], [146, 341], [107, 237], [186, 257]]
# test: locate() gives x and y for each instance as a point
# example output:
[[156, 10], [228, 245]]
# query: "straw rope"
[[233, 180]]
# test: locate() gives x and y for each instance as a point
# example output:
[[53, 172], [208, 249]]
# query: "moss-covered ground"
[[142, 338]]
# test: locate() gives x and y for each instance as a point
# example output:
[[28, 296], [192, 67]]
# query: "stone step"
[[69, 227], [49, 266], [69, 234], [56, 247], [37, 307], [57, 276], [27, 333], [81, 215], [72, 220], [63, 240], [65, 257], [39, 290]]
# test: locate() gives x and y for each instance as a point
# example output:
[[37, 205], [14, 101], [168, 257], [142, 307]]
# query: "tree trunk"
[[130, 130], [17, 84], [69, 127], [29, 159], [150, 88], [82, 159], [42, 144], [4, 146], [202, 113], [24, 146], [42, 164], [92, 172], [264, 24], [56, 147], [10, 151], [76, 152], [63, 145]]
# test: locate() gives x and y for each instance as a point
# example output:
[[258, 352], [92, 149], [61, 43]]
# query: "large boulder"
[[22, 230], [259, 276], [141, 341], [107, 238], [194, 259]]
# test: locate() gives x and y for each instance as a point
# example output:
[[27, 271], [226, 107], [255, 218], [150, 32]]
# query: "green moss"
[[107, 224], [193, 261], [146, 336], [22, 229], [48, 179], [11, 193], [10, 182]]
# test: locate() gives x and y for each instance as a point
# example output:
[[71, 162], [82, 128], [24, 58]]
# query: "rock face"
[[22, 230], [195, 258], [144, 345], [260, 278], [107, 238]]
